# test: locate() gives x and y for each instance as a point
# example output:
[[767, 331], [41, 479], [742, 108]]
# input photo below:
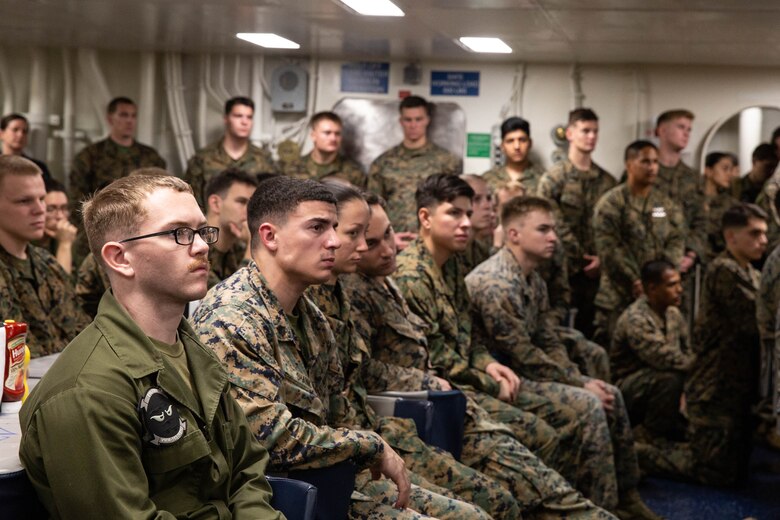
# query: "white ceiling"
[[721, 32]]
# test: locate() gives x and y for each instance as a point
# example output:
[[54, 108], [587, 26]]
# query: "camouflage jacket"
[[630, 231], [512, 310], [284, 383], [101, 163], [223, 264], [396, 173], [555, 274], [498, 177], [745, 190], [39, 292], [768, 202], [399, 349], [768, 297], [575, 194], [477, 252], [306, 168], [353, 411], [715, 206], [726, 336], [644, 339], [439, 296], [682, 184], [213, 159], [92, 283]]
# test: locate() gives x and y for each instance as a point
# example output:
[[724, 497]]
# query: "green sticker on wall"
[[478, 145]]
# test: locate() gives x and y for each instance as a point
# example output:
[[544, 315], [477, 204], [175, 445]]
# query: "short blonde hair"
[[117, 210], [15, 165]]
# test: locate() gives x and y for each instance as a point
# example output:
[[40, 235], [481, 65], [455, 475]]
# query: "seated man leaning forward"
[[134, 420], [283, 360]]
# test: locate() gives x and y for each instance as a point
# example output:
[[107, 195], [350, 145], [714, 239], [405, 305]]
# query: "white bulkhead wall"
[[627, 98]]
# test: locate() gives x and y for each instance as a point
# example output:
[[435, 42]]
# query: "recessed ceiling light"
[[268, 40], [495, 45], [373, 7]]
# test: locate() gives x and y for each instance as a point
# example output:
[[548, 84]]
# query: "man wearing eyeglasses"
[[34, 288], [134, 420]]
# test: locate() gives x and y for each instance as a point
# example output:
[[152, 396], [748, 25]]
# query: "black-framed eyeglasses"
[[184, 236]]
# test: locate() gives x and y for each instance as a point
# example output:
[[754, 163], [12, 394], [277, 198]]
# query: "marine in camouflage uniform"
[[39, 292], [306, 167], [511, 309], [97, 166], [213, 159], [768, 202], [477, 252], [722, 384], [650, 356], [286, 375], [575, 194], [394, 176], [499, 177], [400, 361], [439, 298], [92, 283], [432, 464], [630, 231], [766, 318]]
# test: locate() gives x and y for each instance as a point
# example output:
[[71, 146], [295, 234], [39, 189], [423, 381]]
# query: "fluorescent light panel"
[[373, 7], [494, 45], [268, 40]]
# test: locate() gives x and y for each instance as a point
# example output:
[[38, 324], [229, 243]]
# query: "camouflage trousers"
[[440, 472], [374, 500], [491, 444], [653, 401], [605, 460], [591, 358]]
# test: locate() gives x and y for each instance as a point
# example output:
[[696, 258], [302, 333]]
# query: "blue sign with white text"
[[365, 76], [454, 83]]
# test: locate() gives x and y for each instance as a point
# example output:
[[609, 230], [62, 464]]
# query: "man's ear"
[[424, 215], [116, 259], [214, 203], [267, 233]]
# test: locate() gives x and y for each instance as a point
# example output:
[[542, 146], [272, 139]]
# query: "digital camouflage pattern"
[[511, 308], [630, 231], [286, 384], [432, 464], [744, 189], [222, 264], [103, 162], [499, 177], [651, 356], [395, 174], [39, 292], [97, 166], [575, 194], [92, 283], [722, 383], [715, 206], [477, 252], [397, 336], [766, 319], [213, 159], [306, 167], [768, 202], [682, 185]]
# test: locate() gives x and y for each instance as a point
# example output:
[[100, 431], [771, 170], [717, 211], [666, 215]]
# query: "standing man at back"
[[100, 163], [325, 159], [575, 185], [233, 150], [680, 182], [394, 175], [518, 171]]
